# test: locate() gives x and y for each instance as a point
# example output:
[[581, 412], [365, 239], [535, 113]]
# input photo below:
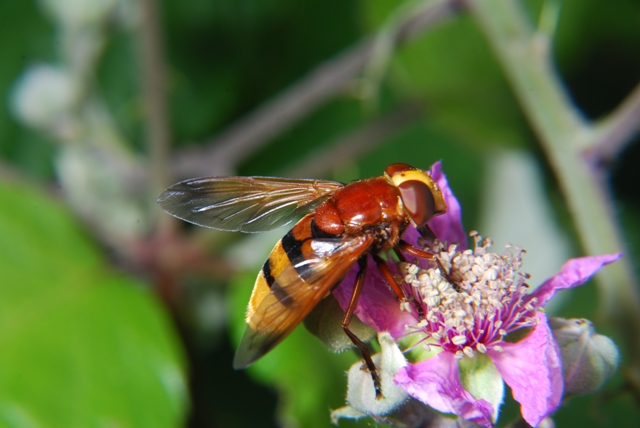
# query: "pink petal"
[[448, 226], [533, 370], [436, 383], [378, 305], [573, 273]]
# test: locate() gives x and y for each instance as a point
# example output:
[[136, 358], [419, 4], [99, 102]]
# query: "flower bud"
[[361, 394], [588, 359]]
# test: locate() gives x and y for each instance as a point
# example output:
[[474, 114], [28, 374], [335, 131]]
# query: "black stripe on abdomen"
[[281, 294], [292, 246], [266, 272]]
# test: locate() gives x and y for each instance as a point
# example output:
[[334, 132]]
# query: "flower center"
[[486, 301]]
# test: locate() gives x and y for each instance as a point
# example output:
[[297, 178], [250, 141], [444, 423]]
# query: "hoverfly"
[[344, 225]]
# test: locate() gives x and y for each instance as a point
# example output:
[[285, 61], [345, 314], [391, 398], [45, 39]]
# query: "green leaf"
[[80, 345], [481, 378]]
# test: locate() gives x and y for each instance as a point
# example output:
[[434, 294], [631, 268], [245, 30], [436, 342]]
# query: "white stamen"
[[470, 276], [459, 340], [487, 295], [478, 269], [491, 274]]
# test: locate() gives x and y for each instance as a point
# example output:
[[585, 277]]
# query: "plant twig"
[[153, 76], [564, 133], [221, 154], [356, 143], [615, 131]]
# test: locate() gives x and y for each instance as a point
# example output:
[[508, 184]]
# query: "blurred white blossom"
[[44, 96], [79, 13]]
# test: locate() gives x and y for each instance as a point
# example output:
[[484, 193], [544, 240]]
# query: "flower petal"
[[378, 306], [533, 370], [448, 226], [573, 273], [436, 383]]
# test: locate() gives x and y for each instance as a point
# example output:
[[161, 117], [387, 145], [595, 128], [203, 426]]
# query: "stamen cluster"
[[470, 299]]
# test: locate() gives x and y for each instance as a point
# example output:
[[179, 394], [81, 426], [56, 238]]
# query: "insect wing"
[[246, 204], [296, 290]]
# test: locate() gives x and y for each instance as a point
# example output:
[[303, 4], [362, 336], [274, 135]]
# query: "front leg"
[[355, 295]]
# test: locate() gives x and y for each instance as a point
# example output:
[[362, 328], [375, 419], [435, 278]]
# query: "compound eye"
[[418, 201]]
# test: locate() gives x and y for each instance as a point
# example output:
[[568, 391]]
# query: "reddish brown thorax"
[[360, 206], [383, 206]]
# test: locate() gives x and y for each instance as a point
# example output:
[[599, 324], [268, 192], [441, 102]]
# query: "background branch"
[[615, 131], [356, 143], [221, 154], [153, 79]]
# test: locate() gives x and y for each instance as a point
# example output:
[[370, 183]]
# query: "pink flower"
[[461, 316]]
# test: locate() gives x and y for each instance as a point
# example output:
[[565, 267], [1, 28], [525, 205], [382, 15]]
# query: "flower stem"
[[564, 134]]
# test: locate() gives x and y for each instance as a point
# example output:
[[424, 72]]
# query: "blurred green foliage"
[[83, 343]]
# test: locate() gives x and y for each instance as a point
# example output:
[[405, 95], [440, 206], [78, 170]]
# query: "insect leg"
[[447, 276], [357, 289], [408, 248], [426, 232], [388, 276]]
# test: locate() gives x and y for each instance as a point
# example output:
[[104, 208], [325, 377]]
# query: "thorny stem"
[[564, 134]]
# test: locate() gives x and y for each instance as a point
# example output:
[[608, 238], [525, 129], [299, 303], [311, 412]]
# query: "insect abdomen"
[[279, 265]]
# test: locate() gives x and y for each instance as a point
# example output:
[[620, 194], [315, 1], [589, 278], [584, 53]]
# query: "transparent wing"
[[246, 204], [295, 292]]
